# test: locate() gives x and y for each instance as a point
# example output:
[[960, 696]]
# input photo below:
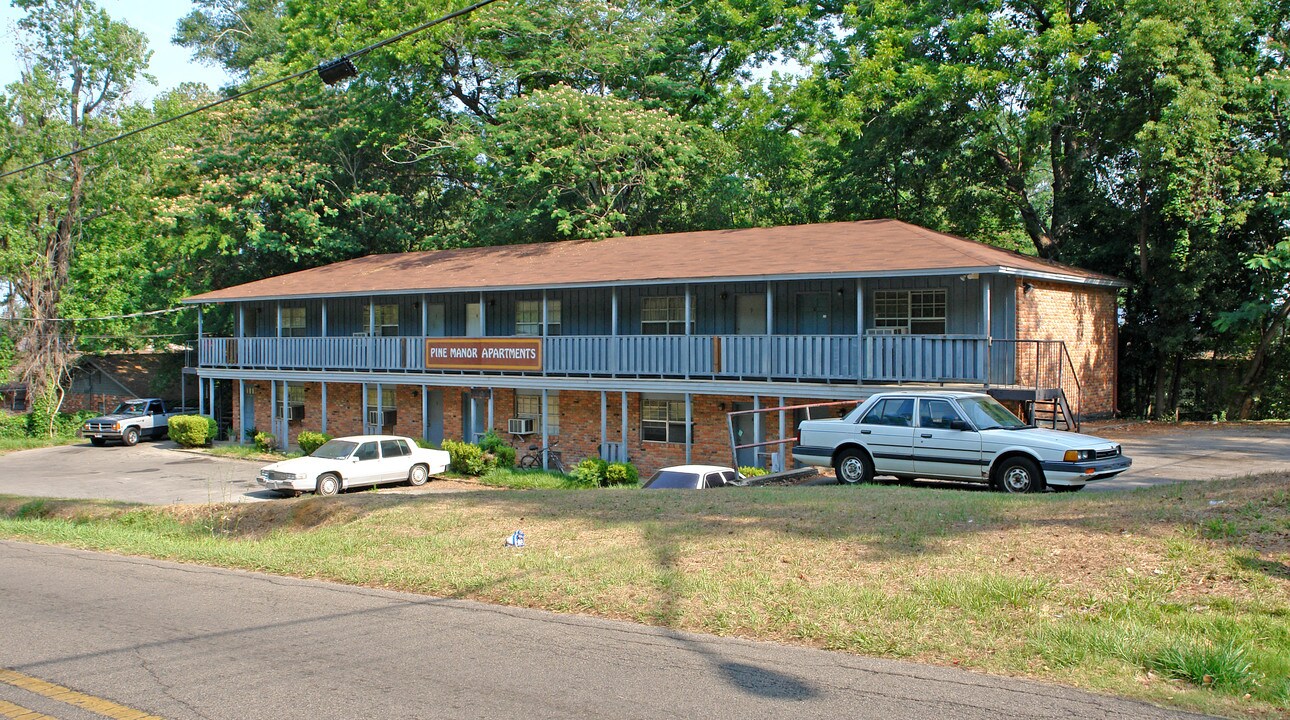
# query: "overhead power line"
[[331, 72], [103, 317]]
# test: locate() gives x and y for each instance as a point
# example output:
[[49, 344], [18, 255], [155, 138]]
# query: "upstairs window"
[[528, 318], [663, 315], [909, 312], [293, 322], [387, 320]]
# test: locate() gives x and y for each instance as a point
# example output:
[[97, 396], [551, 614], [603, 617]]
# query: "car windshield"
[[334, 450], [134, 407], [987, 414], [673, 479]]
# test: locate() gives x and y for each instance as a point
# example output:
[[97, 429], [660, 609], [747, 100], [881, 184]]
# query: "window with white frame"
[[388, 416], [913, 312], [663, 315], [528, 317], [293, 322], [295, 402], [529, 405], [663, 420], [387, 320]]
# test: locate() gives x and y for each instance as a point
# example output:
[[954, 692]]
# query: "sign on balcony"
[[484, 354]]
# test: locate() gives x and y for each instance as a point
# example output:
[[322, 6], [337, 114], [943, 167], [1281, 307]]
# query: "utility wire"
[[238, 96], [104, 317]]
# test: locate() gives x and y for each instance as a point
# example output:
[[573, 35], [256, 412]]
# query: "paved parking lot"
[[161, 473]]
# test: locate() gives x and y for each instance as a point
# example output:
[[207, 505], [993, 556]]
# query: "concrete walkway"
[[1171, 453]]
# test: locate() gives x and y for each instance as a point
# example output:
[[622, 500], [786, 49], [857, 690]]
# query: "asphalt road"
[[1197, 452], [181, 641]]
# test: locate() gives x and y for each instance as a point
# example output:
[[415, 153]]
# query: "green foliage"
[[266, 442], [502, 454], [34, 510], [1223, 667], [465, 458], [589, 472], [13, 426], [191, 430], [750, 472], [310, 441], [622, 474]]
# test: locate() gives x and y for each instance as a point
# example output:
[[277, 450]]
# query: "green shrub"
[[749, 471], [621, 474], [310, 441], [426, 444], [589, 473], [465, 458], [67, 425], [265, 441], [191, 430], [13, 427], [502, 455]]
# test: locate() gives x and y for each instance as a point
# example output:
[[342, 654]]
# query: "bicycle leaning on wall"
[[532, 460]]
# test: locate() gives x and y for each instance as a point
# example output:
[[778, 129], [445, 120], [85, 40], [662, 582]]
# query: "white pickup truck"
[[131, 421], [954, 436]]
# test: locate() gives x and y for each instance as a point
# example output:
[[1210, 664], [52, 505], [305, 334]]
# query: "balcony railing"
[[882, 358]]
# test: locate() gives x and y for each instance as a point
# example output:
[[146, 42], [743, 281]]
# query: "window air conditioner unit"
[[374, 418], [296, 413], [885, 331], [519, 426]]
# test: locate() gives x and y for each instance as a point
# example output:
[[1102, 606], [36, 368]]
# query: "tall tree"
[[80, 64]]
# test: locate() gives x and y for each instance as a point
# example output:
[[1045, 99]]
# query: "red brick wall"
[[1085, 318]]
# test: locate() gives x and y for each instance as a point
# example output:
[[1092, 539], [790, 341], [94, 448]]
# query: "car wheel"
[[1019, 475], [418, 475], [131, 436], [328, 484], [98, 442], [853, 466], [1067, 488]]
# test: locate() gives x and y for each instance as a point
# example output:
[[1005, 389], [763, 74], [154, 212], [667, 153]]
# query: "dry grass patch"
[[1145, 594]]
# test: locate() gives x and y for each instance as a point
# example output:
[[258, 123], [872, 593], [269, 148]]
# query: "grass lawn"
[[1178, 595], [8, 445]]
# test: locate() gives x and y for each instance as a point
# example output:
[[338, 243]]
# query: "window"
[[529, 405], [937, 414], [366, 451], [389, 409], [663, 420], [915, 312], [528, 317], [898, 412], [295, 402], [293, 322], [663, 315], [387, 320], [394, 448]]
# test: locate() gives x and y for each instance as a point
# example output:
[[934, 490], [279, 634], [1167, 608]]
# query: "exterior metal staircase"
[[1037, 374]]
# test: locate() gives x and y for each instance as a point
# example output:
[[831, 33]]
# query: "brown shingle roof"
[[862, 248]]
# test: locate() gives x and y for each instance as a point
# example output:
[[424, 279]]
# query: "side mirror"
[[353, 458], [959, 425]]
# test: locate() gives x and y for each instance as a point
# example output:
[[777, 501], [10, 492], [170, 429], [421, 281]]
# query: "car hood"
[[1057, 439], [112, 418], [306, 465]]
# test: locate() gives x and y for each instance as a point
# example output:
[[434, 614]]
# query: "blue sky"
[[171, 64]]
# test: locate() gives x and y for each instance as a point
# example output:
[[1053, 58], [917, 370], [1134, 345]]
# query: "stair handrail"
[[1079, 387]]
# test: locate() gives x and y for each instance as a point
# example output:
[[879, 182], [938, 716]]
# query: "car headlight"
[[1078, 455], [264, 474], [301, 477]]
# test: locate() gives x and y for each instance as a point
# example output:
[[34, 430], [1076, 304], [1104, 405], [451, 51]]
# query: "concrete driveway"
[[1170, 453], [150, 472]]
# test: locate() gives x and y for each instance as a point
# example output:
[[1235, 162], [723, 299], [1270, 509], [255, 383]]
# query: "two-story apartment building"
[[637, 347]]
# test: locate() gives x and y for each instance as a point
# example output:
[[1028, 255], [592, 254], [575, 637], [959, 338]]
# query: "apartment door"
[[474, 326], [813, 313], [474, 417], [750, 314], [435, 325], [434, 416], [745, 433]]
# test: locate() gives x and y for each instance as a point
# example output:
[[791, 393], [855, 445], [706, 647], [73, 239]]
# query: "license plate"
[[98, 435]]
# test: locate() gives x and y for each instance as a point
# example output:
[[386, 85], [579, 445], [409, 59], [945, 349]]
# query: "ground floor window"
[[295, 402], [529, 405], [663, 420], [385, 414]]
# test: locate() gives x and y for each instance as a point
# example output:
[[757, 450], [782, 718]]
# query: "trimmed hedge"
[[192, 430], [310, 441]]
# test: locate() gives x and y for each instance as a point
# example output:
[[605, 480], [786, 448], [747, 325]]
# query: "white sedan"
[[359, 460]]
